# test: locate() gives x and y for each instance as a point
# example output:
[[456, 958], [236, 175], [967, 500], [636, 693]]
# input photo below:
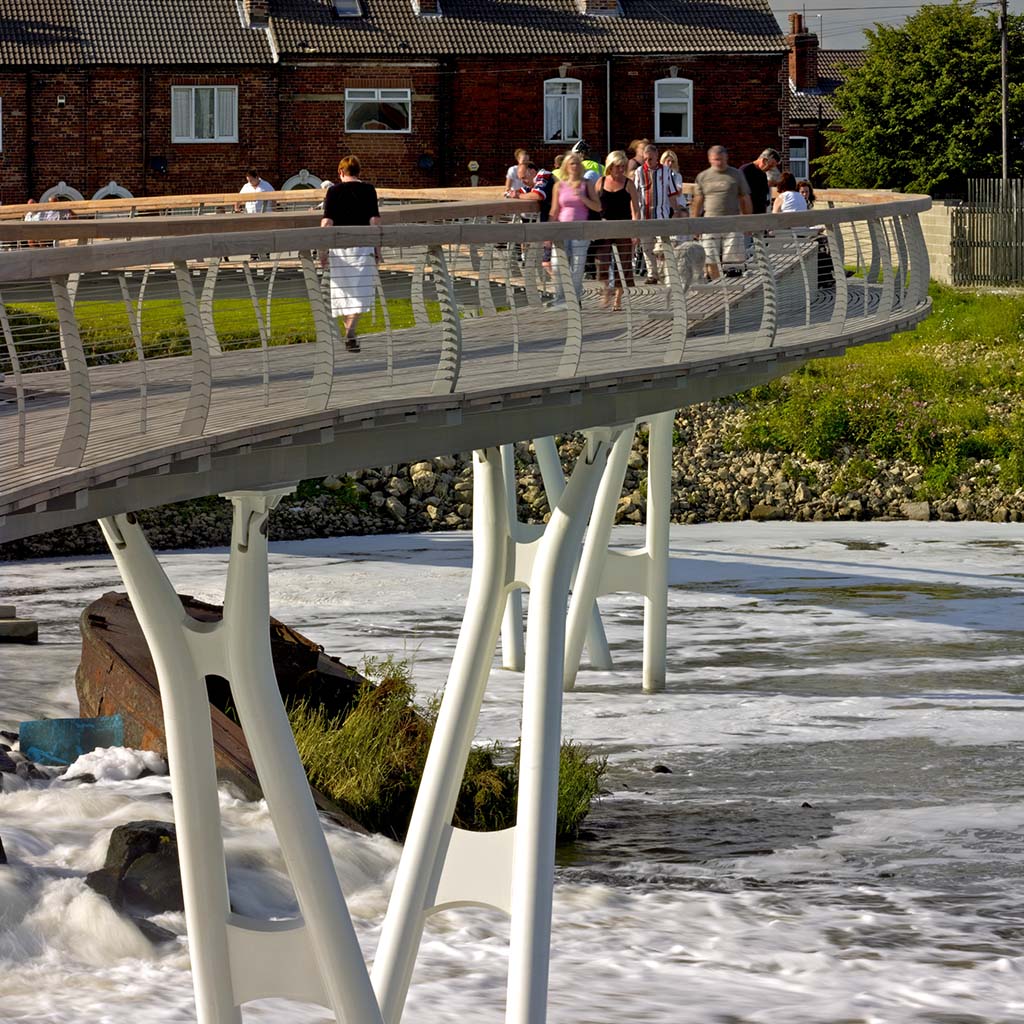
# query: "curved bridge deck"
[[464, 347]]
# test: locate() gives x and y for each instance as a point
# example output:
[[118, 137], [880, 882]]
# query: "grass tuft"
[[370, 763]]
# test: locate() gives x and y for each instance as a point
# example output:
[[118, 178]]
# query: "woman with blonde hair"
[[618, 202], [671, 161], [573, 199], [351, 203]]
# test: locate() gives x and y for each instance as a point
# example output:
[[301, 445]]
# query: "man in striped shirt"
[[655, 188]]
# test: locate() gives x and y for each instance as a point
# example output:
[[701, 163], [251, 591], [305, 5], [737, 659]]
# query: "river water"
[[838, 840]]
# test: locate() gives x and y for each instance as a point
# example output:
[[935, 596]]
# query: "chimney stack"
[[603, 8], [257, 12], [803, 54], [426, 7]]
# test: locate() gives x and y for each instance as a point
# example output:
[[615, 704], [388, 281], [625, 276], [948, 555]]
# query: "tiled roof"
[[524, 27], [63, 32], [817, 104]]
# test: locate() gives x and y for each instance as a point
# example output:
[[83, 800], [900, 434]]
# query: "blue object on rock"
[[60, 741]]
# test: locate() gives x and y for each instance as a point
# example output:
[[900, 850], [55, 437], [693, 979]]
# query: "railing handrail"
[[304, 196], [155, 227], [32, 264]]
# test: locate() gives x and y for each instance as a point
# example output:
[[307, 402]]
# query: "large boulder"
[[141, 875], [3, 856]]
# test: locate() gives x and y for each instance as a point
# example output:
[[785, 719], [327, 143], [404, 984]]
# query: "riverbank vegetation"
[[370, 761], [945, 397]]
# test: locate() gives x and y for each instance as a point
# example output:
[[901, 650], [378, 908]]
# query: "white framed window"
[[799, 157], [204, 113], [563, 109], [347, 9], [378, 110], [673, 110]]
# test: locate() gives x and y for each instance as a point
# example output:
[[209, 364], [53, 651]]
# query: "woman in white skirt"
[[351, 203]]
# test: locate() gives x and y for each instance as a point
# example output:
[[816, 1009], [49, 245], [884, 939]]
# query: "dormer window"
[[347, 9]]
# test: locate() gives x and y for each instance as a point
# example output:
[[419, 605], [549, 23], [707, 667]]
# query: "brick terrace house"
[[814, 75], [174, 96]]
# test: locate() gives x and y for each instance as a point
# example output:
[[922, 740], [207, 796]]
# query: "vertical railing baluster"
[[572, 351], [76, 430], [901, 249], [201, 389], [19, 388], [206, 304], [419, 305], [881, 258], [510, 298], [617, 261], [261, 328], [389, 338], [677, 303], [449, 365], [323, 363], [484, 266], [769, 304], [837, 253], [135, 326]]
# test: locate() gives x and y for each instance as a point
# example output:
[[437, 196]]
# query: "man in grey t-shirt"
[[721, 191]]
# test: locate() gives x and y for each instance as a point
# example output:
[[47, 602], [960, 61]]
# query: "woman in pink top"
[[573, 199]]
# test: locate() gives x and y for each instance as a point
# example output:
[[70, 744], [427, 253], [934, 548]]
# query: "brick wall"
[[312, 105], [116, 122], [13, 155], [214, 166]]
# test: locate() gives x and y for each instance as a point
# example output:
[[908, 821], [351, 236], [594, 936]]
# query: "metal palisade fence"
[[987, 233]]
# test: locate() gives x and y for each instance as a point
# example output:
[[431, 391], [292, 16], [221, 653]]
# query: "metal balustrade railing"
[[114, 351]]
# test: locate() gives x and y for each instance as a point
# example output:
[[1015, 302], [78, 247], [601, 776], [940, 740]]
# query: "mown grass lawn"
[[943, 396], [107, 335]]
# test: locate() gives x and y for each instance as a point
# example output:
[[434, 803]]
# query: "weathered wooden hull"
[[116, 675]]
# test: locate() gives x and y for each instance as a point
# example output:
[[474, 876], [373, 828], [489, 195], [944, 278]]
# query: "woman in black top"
[[351, 203], [618, 202]]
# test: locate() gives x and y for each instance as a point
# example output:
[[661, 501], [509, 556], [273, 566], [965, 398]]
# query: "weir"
[[173, 358]]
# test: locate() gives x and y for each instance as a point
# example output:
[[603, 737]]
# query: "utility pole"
[[1003, 30]]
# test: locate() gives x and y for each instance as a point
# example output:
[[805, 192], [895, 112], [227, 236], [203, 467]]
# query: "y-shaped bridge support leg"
[[513, 650], [235, 959], [643, 571], [512, 870]]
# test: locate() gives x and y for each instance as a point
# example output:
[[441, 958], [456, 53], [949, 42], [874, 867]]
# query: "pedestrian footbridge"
[[153, 358]]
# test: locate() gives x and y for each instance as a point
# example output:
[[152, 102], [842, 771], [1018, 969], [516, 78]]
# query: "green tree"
[[923, 111]]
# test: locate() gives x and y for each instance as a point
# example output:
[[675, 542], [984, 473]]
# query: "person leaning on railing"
[[351, 203]]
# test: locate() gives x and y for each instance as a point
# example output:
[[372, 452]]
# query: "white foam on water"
[[801, 656], [116, 764]]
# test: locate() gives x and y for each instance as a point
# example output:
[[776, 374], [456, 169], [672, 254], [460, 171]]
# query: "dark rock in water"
[[662, 769], [153, 932], [3, 856], [141, 875], [11, 737], [84, 779], [28, 771], [806, 804], [6, 764]]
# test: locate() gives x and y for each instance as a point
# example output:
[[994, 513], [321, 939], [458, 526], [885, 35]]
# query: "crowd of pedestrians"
[[645, 184]]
